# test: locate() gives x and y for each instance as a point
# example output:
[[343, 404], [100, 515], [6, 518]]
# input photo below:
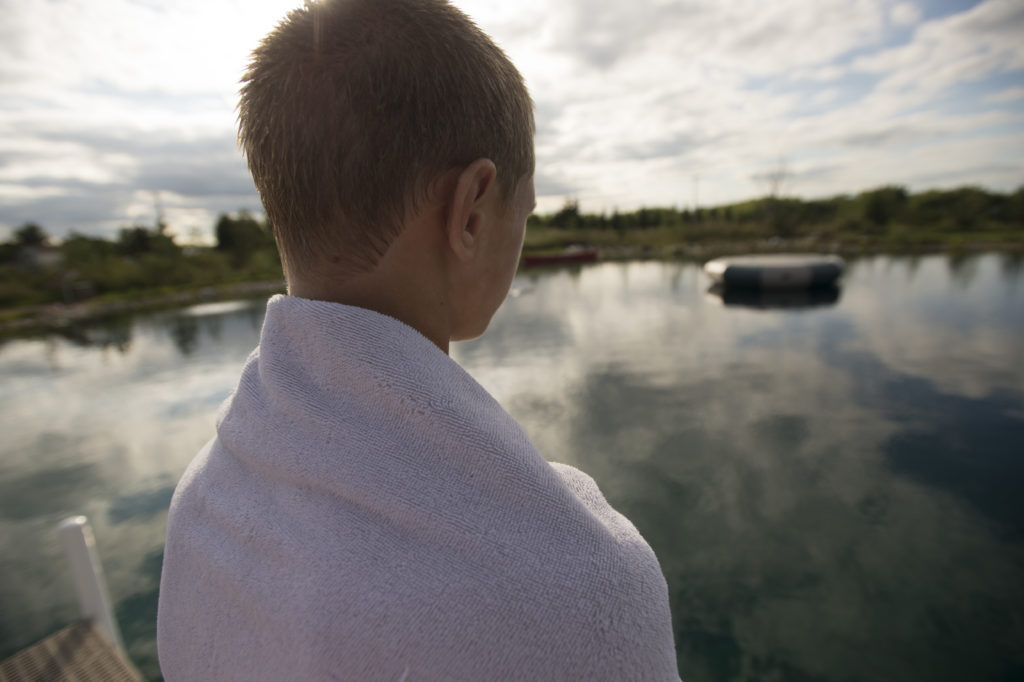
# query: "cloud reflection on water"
[[775, 464], [104, 430], [831, 491]]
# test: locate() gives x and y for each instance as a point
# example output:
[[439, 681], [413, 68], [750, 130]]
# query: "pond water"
[[834, 486]]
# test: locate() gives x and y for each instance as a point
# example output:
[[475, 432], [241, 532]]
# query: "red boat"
[[573, 254]]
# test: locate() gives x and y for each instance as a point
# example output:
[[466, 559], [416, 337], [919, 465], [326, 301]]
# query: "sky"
[[110, 111]]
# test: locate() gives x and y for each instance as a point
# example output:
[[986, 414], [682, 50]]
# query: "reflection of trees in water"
[[106, 333], [256, 314], [116, 332], [187, 330], [1011, 265], [535, 274], [963, 268], [184, 331], [853, 264], [213, 325], [913, 263], [676, 275], [910, 264], [110, 332]]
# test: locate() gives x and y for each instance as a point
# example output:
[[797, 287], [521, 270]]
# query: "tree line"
[[37, 269], [873, 212]]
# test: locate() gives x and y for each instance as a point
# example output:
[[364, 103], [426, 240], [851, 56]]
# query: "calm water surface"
[[835, 488]]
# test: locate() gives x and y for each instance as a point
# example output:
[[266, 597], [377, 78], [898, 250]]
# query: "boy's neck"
[[408, 284]]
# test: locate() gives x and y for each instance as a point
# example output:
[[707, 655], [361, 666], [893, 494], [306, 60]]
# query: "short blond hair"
[[351, 108]]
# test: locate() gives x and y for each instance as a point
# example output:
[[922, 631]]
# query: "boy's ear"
[[466, 215]]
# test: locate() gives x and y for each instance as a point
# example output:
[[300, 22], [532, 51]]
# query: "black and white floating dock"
[[776, 272]]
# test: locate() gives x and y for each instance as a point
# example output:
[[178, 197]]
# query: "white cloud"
[[175, 48], [904, 14], [979, 42], [1008, 95], [633, 99], [675, 85]]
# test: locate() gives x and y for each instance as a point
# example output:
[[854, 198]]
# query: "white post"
[[87, 573]]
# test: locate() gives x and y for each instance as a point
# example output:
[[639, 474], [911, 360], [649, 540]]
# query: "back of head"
[[351, 108]]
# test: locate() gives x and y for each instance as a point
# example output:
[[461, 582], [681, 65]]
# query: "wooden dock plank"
[[78, 653]]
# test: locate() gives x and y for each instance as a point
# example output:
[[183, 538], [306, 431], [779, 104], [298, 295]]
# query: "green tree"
[[960, 209], [616, 220], [884, 204], [568, 216], [133, 241], [82, 251], [242, 236], [1015, 208], [31, 234], [137, 240]]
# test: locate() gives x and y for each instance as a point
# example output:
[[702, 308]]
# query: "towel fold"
[[367, 511]]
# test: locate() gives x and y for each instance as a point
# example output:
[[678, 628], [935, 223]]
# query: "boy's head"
[[350, 109]]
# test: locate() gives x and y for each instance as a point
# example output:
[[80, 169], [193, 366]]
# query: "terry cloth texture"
[[367, 511]]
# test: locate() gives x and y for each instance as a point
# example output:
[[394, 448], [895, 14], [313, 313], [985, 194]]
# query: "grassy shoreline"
[[706, 251], [55, 283], [636, 245], [56, 316], [679, 242]]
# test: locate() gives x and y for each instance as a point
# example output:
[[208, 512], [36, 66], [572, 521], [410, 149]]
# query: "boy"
[[366, 510]]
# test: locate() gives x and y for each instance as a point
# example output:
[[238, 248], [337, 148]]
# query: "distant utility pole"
[[161, 225], [696, 192], [775, 180]]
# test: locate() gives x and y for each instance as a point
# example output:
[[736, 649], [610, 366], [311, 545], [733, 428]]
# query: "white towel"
[[368, 512]]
